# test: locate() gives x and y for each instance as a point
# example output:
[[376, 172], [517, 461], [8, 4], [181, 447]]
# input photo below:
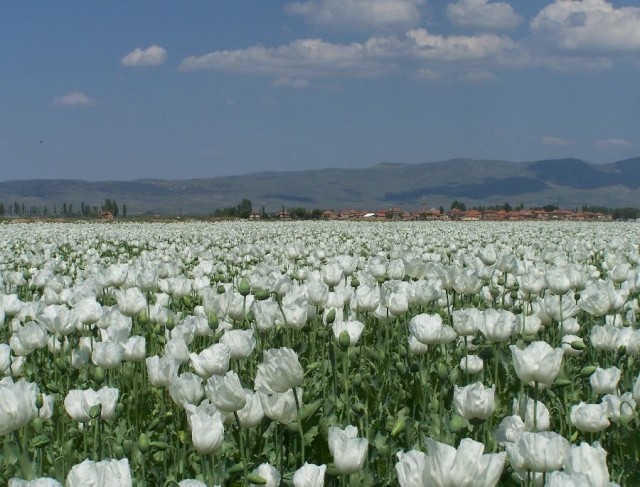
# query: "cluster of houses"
[[458, 215]]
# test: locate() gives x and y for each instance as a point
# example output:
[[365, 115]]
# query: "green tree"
[[244, 208], [124, 210]]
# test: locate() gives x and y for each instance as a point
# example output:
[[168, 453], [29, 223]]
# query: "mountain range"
[[567, 183]]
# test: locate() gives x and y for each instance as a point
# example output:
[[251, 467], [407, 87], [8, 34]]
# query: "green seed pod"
[[39, 401], [94, 411], [587, 371], [98, 375], [254, 478], [357, 380], [53, 388], [36, 424], [118, 451], [161, 340], [186, 301], [355, 282], [220, 289], [358, 408], [127, 445], [401, 367], [453, 375], [456, 424], [244, 288], [143, 443], [344, 340], [443, 372], [402, 351]]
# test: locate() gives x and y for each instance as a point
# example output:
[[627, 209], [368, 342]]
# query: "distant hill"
[[567, 183]]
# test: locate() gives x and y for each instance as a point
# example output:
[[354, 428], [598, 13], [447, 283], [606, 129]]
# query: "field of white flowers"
[[310, 354]]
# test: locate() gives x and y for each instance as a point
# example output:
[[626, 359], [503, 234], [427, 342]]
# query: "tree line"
[[66, 210]]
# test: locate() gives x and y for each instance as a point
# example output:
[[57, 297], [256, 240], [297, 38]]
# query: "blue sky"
[[194, 89]]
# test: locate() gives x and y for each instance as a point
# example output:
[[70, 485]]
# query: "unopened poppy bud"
[[254, 478], [587, 371], [261, 295], [118, 451], [399, 426], [237, 468], [578, 345], [39, 401], [119, 409], [562, 382], [212, 319], [244, 288], [331, 316], [143, 443], [355, 283], [170, 324], [220, 289]]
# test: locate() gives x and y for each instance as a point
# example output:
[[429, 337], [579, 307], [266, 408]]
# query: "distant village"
[[455, 214]]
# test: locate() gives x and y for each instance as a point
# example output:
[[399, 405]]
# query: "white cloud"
[[588, 25], [74, 99], [296, 83], [460, 48], [556, 141], [302, 58], [151, 56], [481, 14], [613, 143], [359, 14], [315, 58]]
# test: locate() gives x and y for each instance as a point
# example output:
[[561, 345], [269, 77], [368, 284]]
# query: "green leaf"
[[310, 434]]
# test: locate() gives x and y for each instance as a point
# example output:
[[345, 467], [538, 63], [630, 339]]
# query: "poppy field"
[[308, 354]]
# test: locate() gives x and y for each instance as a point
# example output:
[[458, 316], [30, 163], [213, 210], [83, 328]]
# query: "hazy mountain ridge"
[[565, 182]]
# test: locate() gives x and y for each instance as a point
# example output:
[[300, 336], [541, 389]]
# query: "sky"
[[202, 88]]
